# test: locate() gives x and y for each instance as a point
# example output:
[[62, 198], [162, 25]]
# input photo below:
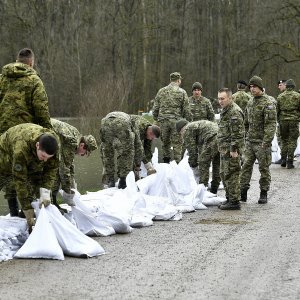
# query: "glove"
[[150, 169], [29, 215], [68, 198], [44, 197], [136, 172], [196, 172]]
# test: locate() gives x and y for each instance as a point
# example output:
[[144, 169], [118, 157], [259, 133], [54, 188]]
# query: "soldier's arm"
[[190, 144], [186, 111], [156, 106], [210, 112], [246, 120], [270, 121], [237, 132], [66, 169], [40, 105], [138, 147], [50, 172]]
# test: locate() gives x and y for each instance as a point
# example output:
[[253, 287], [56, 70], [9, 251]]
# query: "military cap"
[[256, 80], [180, 124], [281, 81], [197, 85], [90, 142], [290, 83], [175, 76], [243, 82], [155, 130]]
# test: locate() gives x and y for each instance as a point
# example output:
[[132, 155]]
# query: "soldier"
[[200, 139], [119, 133], [241, 98], [23, 99], [231, 146], [260, 125], [288, 115], [28, 157], [201, 108], [171, 104], [73, 143], [148, 132]]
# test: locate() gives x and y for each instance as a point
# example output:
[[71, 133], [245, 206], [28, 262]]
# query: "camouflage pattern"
[[69, 138], [231, 139], [260, 124], [171, 104], [201, 109], [23, 98], [119, 133], [241, 98], [200, 139], [143, 125], [19, 162], [288, 115]]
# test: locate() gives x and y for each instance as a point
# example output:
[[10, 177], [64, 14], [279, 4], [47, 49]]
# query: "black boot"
[[230, 205], [263, 199], [13, 207], [214, 190], [283, 162], [244, 194], [166, 160], [122, 183], [290, 164]]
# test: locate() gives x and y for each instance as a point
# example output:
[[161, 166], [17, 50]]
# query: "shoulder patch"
[[18, 167], [270, 106]]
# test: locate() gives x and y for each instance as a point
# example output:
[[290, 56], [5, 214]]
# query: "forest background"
[[96, 56]]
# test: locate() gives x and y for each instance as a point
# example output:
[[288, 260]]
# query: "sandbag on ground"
[[42, 242]]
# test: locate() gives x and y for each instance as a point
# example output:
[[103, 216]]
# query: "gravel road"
[[249, 254]]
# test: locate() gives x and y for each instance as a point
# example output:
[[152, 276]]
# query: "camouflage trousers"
[[255, 151], [117, 138], [230, 169], [209, 154], [170, 138], [289, 131]]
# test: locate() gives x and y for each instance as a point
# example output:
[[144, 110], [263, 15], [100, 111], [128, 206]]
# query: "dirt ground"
[[212, 254]]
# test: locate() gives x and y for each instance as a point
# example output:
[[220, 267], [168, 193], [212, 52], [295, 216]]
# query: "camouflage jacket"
[[260, 120], [288, 106], [241, 98], [18, 158], [196, 134], [23, 98], [201, 109], [171, 103], [138, 147], [231, 132], [143, 125], [69, 138]]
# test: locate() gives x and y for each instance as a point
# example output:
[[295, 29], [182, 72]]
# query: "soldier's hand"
[[136, 172], [150, 169], [234, 154], [68, 198], [44, 197], [29, 214]]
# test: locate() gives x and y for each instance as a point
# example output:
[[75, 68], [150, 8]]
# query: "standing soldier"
[[201, 108], [171, 104], [23, 99], [260, 125], [288, 115], [148, 132], [28, 156], [231, 144], [241, 98], [200, 139], [73, 143], [119, 133]]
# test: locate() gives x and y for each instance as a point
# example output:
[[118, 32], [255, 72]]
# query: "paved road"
[[249, 254]]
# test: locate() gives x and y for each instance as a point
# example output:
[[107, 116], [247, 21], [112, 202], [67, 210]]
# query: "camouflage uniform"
[[69, 138], [201, 109], [142, 125], [288, 113], [200, 139], [241, 98], [119, 133], [171, 104], [19, 162], [23, 99], [260, 125], [231, 139]]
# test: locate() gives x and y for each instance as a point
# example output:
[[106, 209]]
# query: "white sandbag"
[[42, 242], [141, 220], [117, 222], [72, 241], [211, 199]]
